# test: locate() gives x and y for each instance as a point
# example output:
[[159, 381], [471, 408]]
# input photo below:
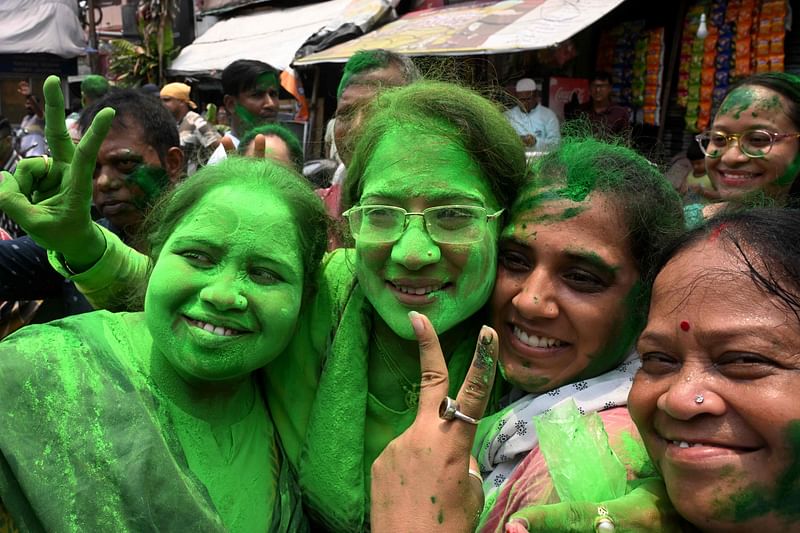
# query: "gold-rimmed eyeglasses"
[[755, 143]]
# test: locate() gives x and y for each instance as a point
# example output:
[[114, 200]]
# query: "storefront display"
[[634, 56], [743, 37]]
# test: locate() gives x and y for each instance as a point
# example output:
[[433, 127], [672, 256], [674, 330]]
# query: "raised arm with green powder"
[[154, 421], [348, 382]]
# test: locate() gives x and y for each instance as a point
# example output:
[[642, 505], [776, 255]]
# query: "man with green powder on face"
[[138, 159], [365, 73], [251, 99]]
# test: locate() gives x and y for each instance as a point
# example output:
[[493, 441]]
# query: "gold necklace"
[[410, 388]]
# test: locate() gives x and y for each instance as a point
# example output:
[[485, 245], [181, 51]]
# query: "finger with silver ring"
[[448, 410], [603, 523]]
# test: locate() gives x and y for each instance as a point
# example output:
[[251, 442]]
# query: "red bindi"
[[685, 325]]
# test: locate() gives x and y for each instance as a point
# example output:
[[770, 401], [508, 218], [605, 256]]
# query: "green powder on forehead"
[[266, 81], [769, 104], [737, 101]]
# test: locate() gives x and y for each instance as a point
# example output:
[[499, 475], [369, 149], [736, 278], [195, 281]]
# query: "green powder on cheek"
[[249, 120], [151, 180], [790, 174], [631, 323], [440, 516], [784, 498]]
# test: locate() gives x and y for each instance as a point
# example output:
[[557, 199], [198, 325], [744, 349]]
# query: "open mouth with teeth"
[[418, 291], [739, 179], [689, 444], [536, 341], [215, 330]]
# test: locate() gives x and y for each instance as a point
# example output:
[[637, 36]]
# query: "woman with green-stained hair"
[[157, 420], [575, 264], [752, 148], [431, 178]]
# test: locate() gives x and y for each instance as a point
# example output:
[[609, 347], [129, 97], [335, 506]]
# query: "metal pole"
[[93, 45], [673, 64]]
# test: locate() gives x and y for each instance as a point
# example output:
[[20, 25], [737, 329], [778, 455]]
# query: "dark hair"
[[365, 61], [788, 86], [133, 107], [650, 207], [448, 110], [766, 241], [601, 75], [242, 75], [693, 152], [309, 213], [284, 134]]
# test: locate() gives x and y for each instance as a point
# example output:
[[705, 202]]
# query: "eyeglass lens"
[[755, 143], [446, 224]]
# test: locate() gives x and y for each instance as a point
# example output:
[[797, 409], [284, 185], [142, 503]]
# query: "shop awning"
[[272, 35], [36, 27], [476, 28]]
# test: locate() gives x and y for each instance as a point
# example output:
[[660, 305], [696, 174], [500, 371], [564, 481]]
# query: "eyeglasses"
[[446, 224], [752, 143]]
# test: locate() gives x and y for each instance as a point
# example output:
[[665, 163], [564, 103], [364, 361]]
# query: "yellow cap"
[[178, 91]]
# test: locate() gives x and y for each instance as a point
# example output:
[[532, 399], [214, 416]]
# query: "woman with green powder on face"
[[569, 300], [156, 421], [716, 397], [753, 146], [435, 168]]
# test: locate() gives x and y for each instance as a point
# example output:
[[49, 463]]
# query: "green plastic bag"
[[582, 464]]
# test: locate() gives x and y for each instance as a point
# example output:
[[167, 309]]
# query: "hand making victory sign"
[[426, 479], [50, 197]]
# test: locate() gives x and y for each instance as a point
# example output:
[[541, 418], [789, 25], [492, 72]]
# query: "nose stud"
[[698, 399]]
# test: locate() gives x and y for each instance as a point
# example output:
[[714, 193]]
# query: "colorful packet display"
[[636, 67], [744, 37]]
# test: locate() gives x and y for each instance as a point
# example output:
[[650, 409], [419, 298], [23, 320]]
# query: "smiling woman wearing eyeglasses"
[[753, 144]]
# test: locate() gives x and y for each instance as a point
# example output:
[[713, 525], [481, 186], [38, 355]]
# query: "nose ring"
[[698, 399]]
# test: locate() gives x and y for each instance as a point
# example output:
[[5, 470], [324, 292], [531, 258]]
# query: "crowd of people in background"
[[486, 319]]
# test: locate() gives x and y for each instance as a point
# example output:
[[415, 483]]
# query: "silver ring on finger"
[[603, 523], [448, 410], [46, 164]]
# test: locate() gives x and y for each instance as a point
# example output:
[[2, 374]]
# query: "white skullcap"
[[525, 85]]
